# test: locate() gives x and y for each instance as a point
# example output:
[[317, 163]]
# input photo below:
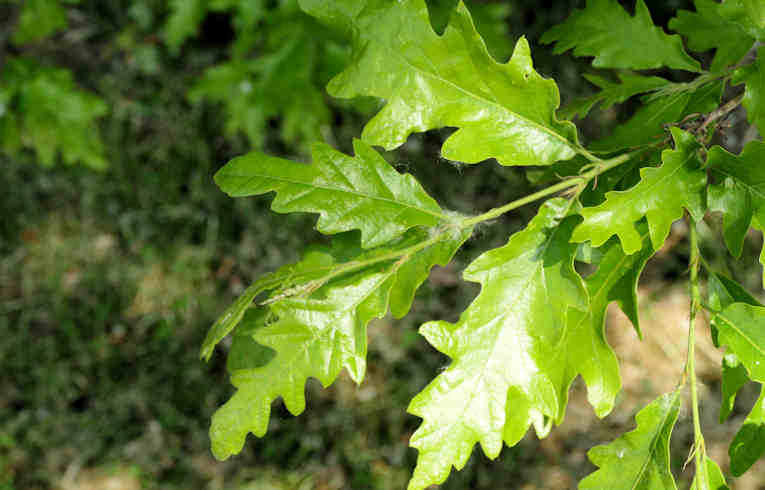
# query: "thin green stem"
[[453, 226], [698, 438], [580, 180]]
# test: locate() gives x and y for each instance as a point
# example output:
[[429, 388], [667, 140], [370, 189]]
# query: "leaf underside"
[[317, 334], [640, 458]]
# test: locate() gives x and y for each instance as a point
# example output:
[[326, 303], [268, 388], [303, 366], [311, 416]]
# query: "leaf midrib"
[[652, 446], [478, 97], [252, 176], [741, 333]]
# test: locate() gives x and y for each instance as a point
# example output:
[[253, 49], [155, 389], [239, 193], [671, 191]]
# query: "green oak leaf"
[[502, 377], [315, 332], [503, 111], [640, 458], [748, 444], [714, 26], [733, 199], [724, 292], [734, 377], [605, 30], [740, 190], [753, 76], [586, 350], [362, 192], [741, 327], [660, 196], [629, 84], [315, 263], [714, 477], [666, 106]]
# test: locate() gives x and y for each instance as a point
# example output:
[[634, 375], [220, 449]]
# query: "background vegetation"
[[117, 251]]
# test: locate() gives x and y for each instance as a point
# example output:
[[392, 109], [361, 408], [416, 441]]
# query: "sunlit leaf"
[[315, 329], [640, 458], [502, 111], [362, 192], [511, 351], [660, 196], [603, 29]]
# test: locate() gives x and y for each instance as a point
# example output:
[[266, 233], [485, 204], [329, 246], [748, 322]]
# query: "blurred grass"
[[108, 281]]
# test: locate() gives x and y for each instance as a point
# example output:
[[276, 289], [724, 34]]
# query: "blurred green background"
[[117, 250]]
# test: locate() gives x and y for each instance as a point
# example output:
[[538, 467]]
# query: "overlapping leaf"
[[503, 111], [314, 265], [748, 444], [315, 329], [362, 192], [603, 29], [666, 106], [740, 190], [660, 196], [753, 76], [713, 478], [640, 458], [741, 327], [613, 92], [724, 292], [717, 26], [585, 350], [505, 372]]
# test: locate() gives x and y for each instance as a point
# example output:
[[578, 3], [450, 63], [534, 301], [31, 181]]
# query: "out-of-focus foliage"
[[282, 59], [41, 109], [40, 106], [39, 19]]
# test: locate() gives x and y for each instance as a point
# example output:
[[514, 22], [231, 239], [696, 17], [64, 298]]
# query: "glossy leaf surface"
[[640, 458], [362, 192], [502, 111], [660, 196], [505, 372], [316, 328], [616, 39]]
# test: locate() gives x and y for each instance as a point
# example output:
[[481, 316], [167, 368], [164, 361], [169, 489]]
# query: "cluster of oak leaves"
[[536, 324]]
